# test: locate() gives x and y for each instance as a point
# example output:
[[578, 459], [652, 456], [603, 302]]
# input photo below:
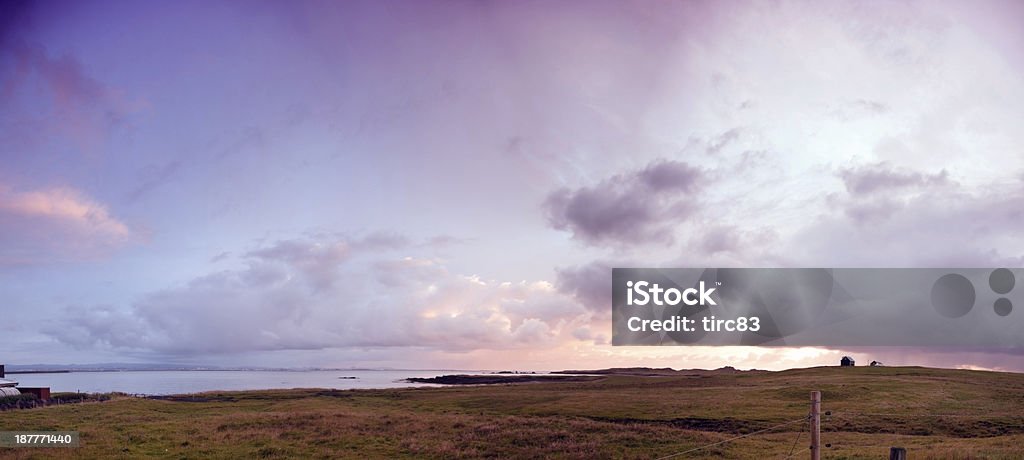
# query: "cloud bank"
[[310, 294]]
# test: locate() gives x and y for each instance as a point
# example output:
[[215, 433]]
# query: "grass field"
[[933, 413]]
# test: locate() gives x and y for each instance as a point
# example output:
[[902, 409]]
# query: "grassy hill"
[[934, 413]]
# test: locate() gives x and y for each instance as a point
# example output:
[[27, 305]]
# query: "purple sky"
[[446, 184]]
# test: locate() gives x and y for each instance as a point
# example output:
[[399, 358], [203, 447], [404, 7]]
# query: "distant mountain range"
[[116, 367]]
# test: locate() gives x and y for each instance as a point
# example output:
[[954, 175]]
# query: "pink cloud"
[[58, 223]]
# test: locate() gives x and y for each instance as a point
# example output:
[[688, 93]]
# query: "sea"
[[190, 381]]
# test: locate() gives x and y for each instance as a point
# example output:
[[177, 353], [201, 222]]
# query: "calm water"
[[177, 382]]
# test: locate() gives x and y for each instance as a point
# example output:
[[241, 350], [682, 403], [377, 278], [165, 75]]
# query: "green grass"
[[615, 417]]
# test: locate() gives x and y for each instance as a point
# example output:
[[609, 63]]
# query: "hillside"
[[933, 413]]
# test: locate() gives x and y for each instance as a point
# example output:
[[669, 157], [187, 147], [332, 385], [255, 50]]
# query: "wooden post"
[[815, 425], [897, 453]]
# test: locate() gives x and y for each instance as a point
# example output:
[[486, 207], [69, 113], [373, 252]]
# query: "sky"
[[448, 184]]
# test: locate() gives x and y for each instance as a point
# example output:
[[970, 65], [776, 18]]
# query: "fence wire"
[[771, 428]]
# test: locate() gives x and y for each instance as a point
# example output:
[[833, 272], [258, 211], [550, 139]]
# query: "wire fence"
[[792, 449], [771, 428]]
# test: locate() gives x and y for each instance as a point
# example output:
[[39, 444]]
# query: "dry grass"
[[615, 417]]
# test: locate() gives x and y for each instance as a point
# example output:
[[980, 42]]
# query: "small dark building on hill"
[[847, 362]]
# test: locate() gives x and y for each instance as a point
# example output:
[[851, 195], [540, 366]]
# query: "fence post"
[[897, 453], [815, 425]]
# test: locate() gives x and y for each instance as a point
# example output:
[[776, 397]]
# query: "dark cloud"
[[875, 192], [670, 175], [636, 207], [590, 285], [883, 177], [906, 218]]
